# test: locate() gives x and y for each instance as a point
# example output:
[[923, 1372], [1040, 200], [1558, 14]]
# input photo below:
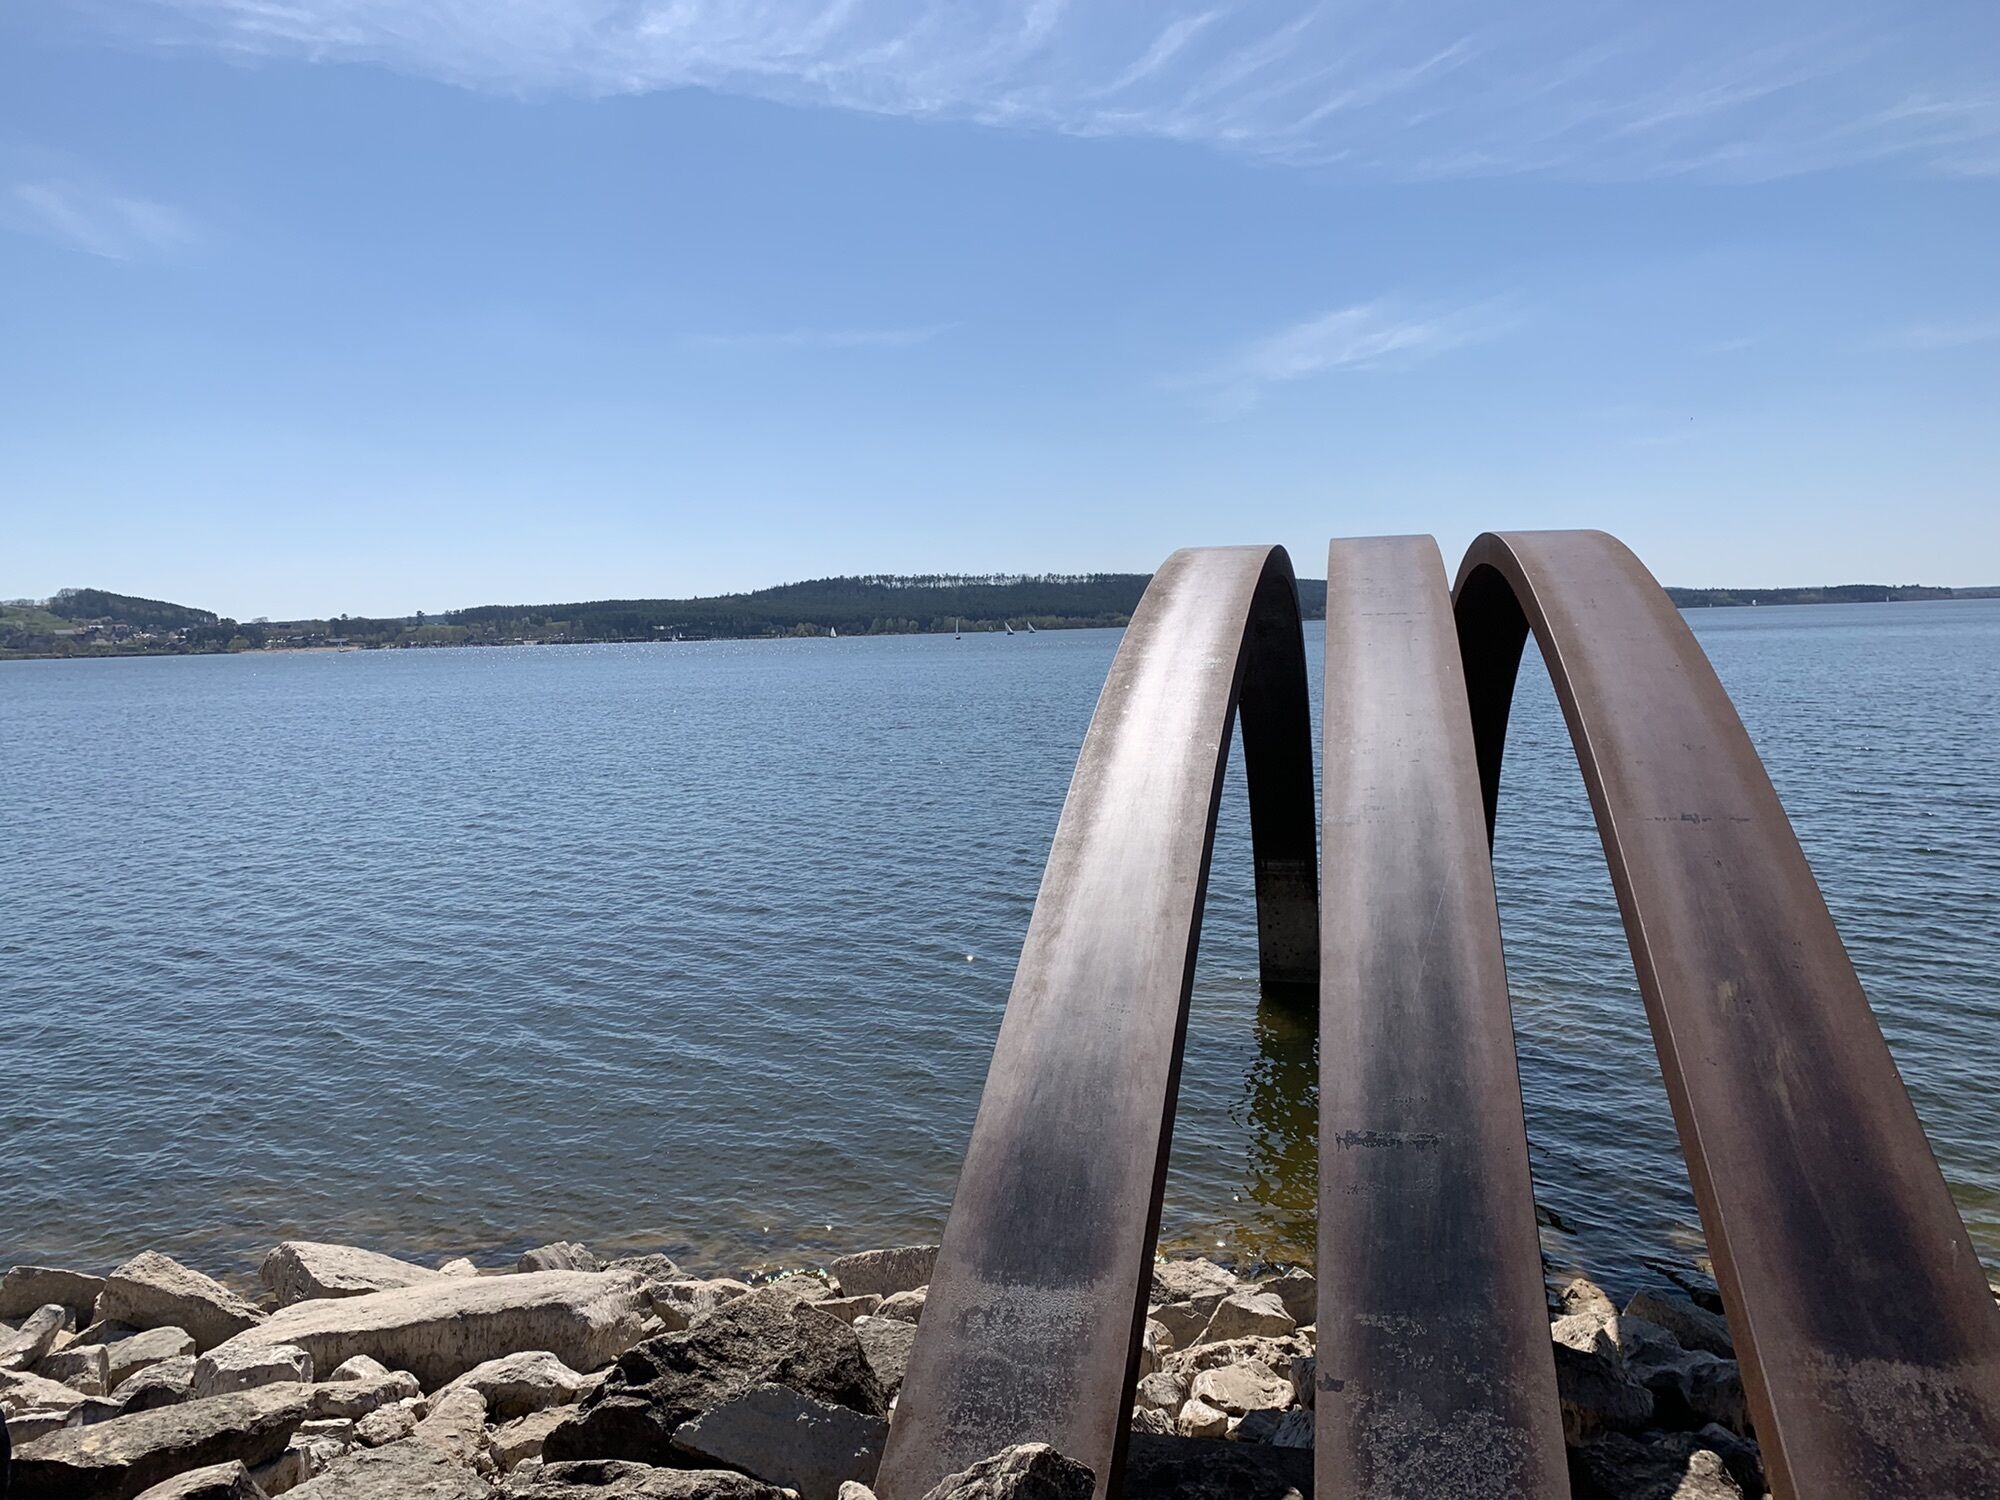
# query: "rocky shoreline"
[[357, 1376]]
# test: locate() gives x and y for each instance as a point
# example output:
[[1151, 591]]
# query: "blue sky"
[[322, 305]]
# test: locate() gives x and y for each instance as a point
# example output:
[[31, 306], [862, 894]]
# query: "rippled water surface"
[[703, 947]]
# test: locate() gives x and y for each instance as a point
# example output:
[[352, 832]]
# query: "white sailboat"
[[954, 629], [1007, 627]]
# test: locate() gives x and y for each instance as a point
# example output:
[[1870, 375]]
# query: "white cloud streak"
[[1577, 89], [1365, 336], [1934, 336], [111, 225]]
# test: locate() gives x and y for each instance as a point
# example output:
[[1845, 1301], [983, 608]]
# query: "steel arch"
[[1032, 1326], [1869, 1340], [1436, 1376]]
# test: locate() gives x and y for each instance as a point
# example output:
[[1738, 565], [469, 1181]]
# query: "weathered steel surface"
[[1031, 1329], [1869, 1340], [1435, 1372]]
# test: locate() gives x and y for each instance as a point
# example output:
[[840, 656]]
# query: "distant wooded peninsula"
[[93, 622]]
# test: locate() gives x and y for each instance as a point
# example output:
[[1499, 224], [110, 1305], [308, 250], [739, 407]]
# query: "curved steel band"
[[1435, 1371], [1869, 1341], [1032, 1326]]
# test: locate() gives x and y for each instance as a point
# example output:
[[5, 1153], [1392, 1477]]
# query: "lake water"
[[704, 947]]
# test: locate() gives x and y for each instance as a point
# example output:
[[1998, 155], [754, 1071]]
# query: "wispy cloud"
[[821, 338], [1572, 88], [116, 226], [1923, 336], [1366, 336]]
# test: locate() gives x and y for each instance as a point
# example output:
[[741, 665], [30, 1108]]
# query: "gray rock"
[[355, 1399], [1241, 1388], [513, 1443], [1181, 1468], [616, 1479], [1155, 1344], [1582, 1295], [1185, 1321], [1295, 1429], [847, 1309], [1185, 1280], [359, 1367], [401, 1471], [516, 1384], [1247, 1314], [903, 1307], [1198, 1419], [1274, 1354], [1694, 1327], [1304, 1374], [1740, 1455], [456, 1424], [853, 1491], [1298, 1291], [248, 1367], [1597, 1395], [1618, 1467], [23, 1392], [1150, 1419], [389, 1423], [1027, 1471], [230, 1481], [803, 1285], [301, 1270], [885, 1272], [650, 1267], [1690, 1387], [304, 1458], [1585, 1331], [886, 1344], [31, 1343], [118, 1459], [777, 1434], [1258, 1426], [563, 1255], [156, 1291], [1162, 1391], [767, 1337], [457, 1267], [443, 1328], [139, 1351], [166, 1382], [679, 1303], [26, 1288], [87, 1369]]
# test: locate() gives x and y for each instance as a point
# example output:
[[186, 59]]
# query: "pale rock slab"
[[248, 1367], [386, 1424], [461, 1266], [360, 1367], [456, 1424], [401, 1471], [516, 1384], [440, 1330], [1238, 1389], [355, 1399], [25, 1288], [152, 1290], [166, 1382], [1185, 1280], [35, 1338], [1298, 1291], [563, 1255], [118, 1459], [230, 1481], [127, 1356], [903, 1307], [886, 1344], [1200, 1420], [1028, 1471], [885, 1272], [301, 1270], [513, 1443], [1162, 1391], [1248, 1314], [87, 1369], [1693, 1326], [847, 1309], [777, 1434]]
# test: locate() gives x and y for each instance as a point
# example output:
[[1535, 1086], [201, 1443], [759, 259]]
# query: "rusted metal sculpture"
[[1870, 1343], [1032, 1325], [1436, 1377]]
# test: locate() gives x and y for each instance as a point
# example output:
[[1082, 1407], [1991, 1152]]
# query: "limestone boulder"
[[1186, 1280], [443, 1328], [1198, 1419], [166, 1382], [1247, 1314], [563, 1255], [793, 1440], [1162, 1391], [1185, 1322], [886, 1344], [1597, 1395], [513, 1443], [456, 1424], [302, 1270], [1298, 1291], [616, 1479], [29, 1344], [156, 1291], [1274, 1354], [389, 1423], [33, 1404], [230, 1481], [1693, 1326], [885, 1272], [1147, 1419], [678, 1302], [248, 1367], [118, 1459], [25, 1288], [129, 1355], [1582, 1295], [766, 1338], [903, 1307], [402, 1471], [1028, 1471], [516, 1384], [457, 1266], [1240, 1388], [86, 1368], [1690, 1387], [355, 1399], [847, 1309]]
